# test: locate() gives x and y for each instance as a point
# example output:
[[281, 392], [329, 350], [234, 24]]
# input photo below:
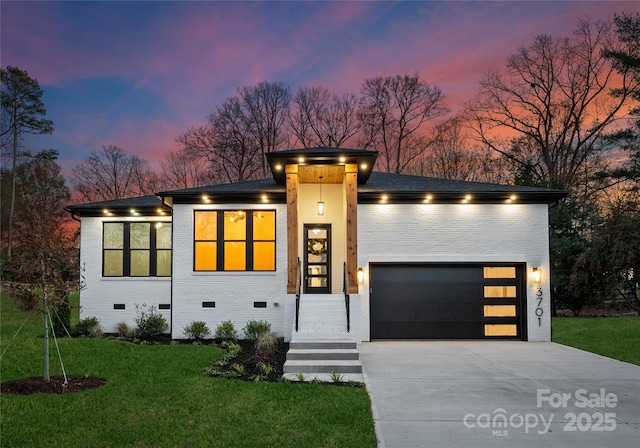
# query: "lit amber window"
[[234, 240], [264, 241], [205, 239]]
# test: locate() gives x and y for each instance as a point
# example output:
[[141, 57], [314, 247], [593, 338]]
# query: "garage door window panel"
[[502, 292]]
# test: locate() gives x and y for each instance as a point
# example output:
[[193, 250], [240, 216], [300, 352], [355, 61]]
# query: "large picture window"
[[234, 240], [136, 249]]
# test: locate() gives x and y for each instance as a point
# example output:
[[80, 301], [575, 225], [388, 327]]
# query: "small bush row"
[[151, 325]]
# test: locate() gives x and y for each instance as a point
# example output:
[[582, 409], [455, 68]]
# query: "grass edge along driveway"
[[613, 337]]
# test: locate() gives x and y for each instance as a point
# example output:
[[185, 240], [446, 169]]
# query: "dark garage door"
[[447, 301]]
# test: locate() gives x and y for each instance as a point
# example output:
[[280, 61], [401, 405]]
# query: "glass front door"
[[317, 240]]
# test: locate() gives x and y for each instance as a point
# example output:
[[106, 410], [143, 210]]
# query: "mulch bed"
[[37, 385], [248, 358]]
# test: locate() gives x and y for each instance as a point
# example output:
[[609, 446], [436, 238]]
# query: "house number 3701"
[[539, 310]]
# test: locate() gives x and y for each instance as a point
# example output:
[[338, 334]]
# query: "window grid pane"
[[205, 256], [264, 226], [163, 235], [163, 263], [140, 263], [140, 235], [264, 256], [235, 256], [113, 263], [113, 237], [206, 226], [235, 225]]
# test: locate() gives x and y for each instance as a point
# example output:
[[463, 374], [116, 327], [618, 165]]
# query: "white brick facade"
[[458, 233], [234, 293], [100, 294], [461, 233]]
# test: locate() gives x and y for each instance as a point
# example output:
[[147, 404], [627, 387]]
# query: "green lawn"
[[157, 396], [615, 337]]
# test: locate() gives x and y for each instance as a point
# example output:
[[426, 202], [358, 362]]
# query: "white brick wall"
[[458, 233], [233, 292], [393, 232], [100, 294]]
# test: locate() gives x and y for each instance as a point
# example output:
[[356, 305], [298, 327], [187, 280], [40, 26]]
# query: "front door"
[[317, 241]]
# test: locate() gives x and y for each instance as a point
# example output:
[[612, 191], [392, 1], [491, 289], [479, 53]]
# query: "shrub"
[[89, 327], [124, 330], [226, 331], [255, 328], [197, 330], [149, 323], [267, 341], [265, 348]]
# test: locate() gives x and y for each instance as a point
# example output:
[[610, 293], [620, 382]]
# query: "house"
[[326, 246]]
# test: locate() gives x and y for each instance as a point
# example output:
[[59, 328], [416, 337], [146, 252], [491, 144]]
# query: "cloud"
[[138, 74]]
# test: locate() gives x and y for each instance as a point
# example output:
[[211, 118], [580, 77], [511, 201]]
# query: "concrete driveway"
[[499, 393]]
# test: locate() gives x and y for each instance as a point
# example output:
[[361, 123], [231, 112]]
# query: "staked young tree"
[[112, 174], [554, 94], [394, 113], [319, 118], [23, 112], [46, 255]]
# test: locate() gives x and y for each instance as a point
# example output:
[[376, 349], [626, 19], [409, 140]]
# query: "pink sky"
[[138, 74]]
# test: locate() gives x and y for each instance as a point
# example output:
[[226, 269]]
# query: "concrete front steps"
[[323, 345], [323, 360]]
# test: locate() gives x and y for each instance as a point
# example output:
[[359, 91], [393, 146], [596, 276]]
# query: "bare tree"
[[22, 113], [555, 95], [394, 112], [241, 131], [453, 156], [322, 119], [226, 143], [113, 174], [263, 109], [182, 169]]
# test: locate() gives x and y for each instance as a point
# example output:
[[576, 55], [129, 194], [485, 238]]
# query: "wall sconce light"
[[360, 276], [535, 276], [320, 203]]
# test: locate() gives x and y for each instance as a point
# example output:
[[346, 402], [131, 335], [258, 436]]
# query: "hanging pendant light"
[[320, 203]]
